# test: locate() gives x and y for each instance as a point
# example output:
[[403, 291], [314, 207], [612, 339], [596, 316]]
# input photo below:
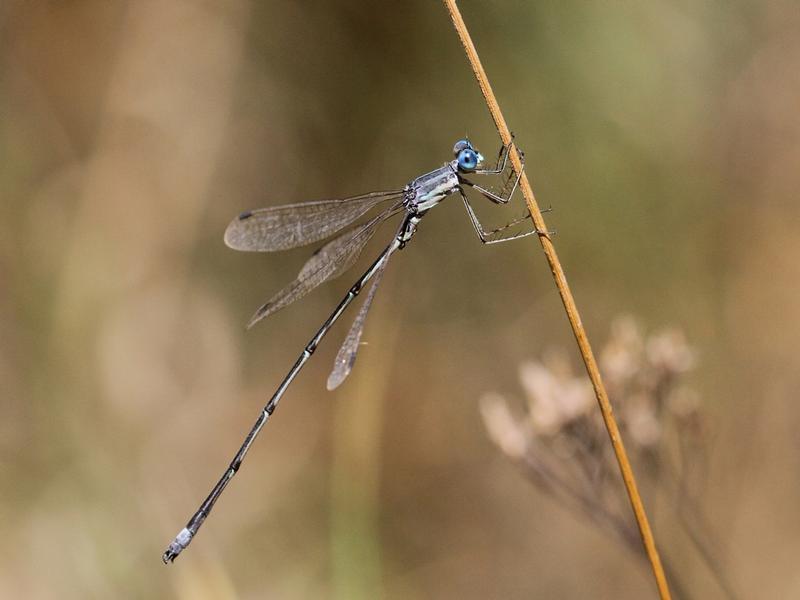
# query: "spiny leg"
[[502, 163], [502, 159], [486, 236]]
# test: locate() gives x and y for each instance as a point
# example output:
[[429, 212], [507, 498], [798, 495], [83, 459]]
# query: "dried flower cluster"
[[560, 441]]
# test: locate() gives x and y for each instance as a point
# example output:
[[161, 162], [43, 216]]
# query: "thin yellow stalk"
[[569, 305]]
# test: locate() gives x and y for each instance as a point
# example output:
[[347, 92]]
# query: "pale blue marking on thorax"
[[426, 191]]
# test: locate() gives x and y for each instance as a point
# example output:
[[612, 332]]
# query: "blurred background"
[[665, 135]]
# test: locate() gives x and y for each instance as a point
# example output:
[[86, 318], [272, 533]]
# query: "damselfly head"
[[467, 156]]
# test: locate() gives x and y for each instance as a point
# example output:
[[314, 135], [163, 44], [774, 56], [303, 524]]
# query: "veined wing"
[[330, 261], [293, 225], [346, 357]]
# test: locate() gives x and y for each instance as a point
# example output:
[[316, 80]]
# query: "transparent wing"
[[330, 261], [293, 225], [346, 357]]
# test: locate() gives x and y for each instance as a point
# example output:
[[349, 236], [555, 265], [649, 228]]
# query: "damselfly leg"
[[489, 237], [502, 163]]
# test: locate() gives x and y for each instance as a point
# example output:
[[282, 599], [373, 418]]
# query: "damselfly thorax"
[[426, 191]]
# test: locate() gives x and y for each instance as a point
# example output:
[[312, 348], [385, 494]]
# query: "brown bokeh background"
[[666, 136]]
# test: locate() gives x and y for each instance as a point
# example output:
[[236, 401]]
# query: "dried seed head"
[[560, 444], [669, 351], [642, 423], [554, 400], [621, 357], [504, 430]]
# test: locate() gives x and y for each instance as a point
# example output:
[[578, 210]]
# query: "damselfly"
[[293, 225]]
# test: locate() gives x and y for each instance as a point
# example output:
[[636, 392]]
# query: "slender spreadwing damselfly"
[[293, 225]]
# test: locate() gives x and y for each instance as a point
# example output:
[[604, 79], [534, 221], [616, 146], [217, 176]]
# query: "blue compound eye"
[[460, 145], [468, 159]]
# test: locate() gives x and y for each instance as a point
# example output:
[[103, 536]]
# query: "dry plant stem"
[[569, 305]]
